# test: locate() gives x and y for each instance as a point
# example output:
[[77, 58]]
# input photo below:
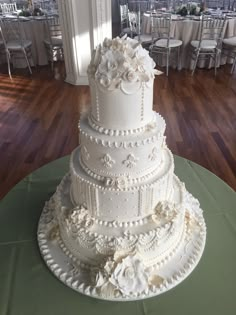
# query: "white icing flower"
[[121, 59], [100, 279], [164, 210], [121, 182], [130, 161], [108, 290], [107, 161], [109, 266], [85, 153], [153, 155], [130, 76], [129, 276], [81, 217], [108, 181]]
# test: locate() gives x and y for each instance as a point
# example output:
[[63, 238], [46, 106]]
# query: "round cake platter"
[[77, 276]]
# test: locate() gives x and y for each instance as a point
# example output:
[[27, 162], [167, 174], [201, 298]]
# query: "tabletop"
[[28, 287]]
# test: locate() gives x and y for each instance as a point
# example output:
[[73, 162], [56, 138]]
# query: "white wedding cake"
[[121, 225]]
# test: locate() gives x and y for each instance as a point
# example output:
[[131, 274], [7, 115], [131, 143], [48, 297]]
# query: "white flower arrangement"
[[121, 59], [164, 210], [122, 277], [80, 216]]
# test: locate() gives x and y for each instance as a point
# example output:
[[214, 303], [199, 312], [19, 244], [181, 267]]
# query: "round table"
[[28, 287]]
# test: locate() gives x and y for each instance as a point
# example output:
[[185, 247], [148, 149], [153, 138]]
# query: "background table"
[[33, 29], [27, 286], [187, 29]]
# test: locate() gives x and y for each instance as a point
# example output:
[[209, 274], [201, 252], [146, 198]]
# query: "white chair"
[[45, 5], [136, 29], [53, 43], [164, 45], [7, 8], [135, 21], [210, 43], [229, 49], [124, 19], [2, 50], [214, 4], [139, 6], [13, 42], [233, 6], [161, 4]]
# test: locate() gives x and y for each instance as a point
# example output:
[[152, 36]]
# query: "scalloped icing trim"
[[114, 132], [157, 260]]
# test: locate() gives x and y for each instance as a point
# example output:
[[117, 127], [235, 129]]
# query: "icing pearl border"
[[115, 132]]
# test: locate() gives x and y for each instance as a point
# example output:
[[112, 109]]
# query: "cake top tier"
[[121, 60]]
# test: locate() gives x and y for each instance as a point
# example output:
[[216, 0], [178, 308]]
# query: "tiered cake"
[[121, 225]]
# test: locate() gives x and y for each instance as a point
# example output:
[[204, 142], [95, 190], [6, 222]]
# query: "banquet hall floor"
[[39, 119]]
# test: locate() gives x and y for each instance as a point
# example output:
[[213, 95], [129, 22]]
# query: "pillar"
[[84, 25]]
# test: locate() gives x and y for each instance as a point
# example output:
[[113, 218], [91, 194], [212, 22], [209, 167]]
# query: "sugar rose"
[[129, 276]]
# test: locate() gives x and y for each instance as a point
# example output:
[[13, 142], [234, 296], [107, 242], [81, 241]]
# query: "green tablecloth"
[[27, 287]]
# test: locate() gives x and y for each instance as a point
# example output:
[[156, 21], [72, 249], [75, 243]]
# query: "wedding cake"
[[121, 225]]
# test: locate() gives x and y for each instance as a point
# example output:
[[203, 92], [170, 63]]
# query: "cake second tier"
[[131, 156]]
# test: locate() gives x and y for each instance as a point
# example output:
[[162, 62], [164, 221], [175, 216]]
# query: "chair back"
[[160, 4], [160, 24], [45, 5], [136, 9], [214, 4], [8, 8], [53, 27], [139, 6], [124, 17], [2, 38], [11, 30], [134, 23], [212, 28], [233, 5]]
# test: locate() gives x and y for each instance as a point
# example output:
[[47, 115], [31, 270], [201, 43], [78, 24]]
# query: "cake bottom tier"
[[122, 260]]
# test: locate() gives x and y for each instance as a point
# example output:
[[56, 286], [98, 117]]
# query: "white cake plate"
[[71, 272]]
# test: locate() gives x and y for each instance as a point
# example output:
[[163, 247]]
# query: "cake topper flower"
[[121, 60]]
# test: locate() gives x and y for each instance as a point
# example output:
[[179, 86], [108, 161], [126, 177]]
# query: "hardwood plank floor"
[[39, 116]]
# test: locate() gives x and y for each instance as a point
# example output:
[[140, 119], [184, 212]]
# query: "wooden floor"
[[39, 116]]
